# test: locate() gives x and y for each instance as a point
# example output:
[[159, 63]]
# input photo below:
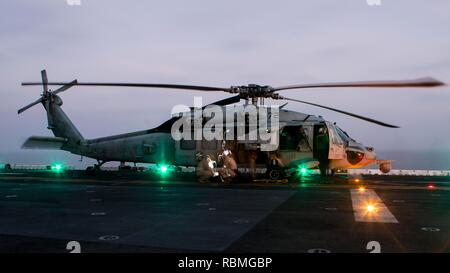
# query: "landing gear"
[[134, 168], [275, 173], [93, 169], [90, 170], [124, 167], [326, 175], [327, 172]]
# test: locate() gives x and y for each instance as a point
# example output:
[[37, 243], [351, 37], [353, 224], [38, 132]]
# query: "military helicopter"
[[297, 131]]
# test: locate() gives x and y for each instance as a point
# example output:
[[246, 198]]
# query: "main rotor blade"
[[344, 112], [147, 85], [44, 80], [226, 101], [422, 82], [64, 87], [29, 105]]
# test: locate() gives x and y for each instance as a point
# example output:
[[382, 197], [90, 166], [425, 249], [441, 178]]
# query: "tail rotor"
[[47, 95]]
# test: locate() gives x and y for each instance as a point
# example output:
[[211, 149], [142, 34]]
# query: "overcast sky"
[[224, 43]]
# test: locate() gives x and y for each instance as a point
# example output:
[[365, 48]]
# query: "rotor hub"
[[254, 91]]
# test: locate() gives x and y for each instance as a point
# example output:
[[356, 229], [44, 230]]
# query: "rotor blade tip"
[[439, 83], [430, 81]]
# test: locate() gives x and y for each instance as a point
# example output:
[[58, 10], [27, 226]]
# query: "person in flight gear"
[[275, 168], [229, 169], [205, 167], [252, 156], [322, 145], [303, 143], [275, 159]]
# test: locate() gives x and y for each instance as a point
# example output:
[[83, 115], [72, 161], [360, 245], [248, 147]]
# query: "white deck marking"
[[360, 202], [98, 213]]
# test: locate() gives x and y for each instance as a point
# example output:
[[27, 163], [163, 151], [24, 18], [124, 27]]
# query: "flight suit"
[[205, 170], [275, 160], [252, 156], [229, 169], [322, 146]]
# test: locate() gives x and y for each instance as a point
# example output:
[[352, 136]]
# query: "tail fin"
[[58, 121]]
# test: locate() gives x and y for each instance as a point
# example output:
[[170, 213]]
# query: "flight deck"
[[127, 212]]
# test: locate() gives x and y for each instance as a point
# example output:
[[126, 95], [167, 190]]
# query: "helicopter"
[[297, 132]]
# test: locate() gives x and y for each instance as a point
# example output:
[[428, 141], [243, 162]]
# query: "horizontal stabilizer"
[[44, 143]]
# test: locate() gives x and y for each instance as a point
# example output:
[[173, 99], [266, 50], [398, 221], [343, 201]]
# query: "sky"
[[224, 43]]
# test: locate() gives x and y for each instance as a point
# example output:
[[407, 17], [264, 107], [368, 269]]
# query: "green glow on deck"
[[163, 169], [57, 168]]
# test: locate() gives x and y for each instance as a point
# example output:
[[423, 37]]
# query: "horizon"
[[224, 44]]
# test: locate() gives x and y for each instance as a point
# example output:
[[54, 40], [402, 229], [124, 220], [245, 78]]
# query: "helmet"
[[199, 156]]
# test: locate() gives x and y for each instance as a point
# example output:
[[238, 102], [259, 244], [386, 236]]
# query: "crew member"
[[205, 168], [229, 169], [303, 143], [252, 156], [275, 159], [322, 145]]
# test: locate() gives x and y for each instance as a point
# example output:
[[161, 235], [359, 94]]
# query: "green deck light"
[[302, 170], [163, 169], [57, 168]]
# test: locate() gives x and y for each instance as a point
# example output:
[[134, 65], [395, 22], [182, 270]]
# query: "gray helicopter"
[[297, 132]]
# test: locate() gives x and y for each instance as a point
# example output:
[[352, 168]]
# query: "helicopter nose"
[[370, 153]]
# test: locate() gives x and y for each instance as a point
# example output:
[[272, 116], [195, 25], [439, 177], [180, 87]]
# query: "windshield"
[[344, 135]]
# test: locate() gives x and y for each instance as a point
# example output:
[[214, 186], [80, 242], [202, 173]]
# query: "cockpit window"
[[335, 137], [344, 135]]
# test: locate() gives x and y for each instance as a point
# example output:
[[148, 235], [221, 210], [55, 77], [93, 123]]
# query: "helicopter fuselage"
[[297, 134]]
